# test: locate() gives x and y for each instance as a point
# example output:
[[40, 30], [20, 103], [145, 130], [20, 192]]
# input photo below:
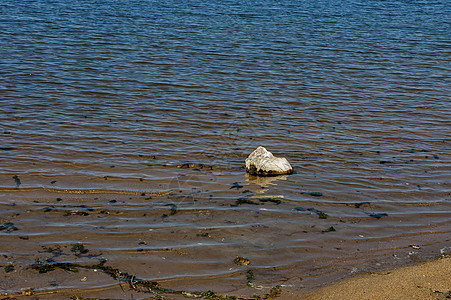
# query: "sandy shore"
[[430, 280]]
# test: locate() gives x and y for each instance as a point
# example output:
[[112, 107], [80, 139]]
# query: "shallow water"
[[124, 127]]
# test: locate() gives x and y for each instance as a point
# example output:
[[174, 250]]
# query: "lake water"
[[124, 126]]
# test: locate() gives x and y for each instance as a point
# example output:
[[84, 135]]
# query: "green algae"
[[320, 214], [271, 200], [79, 249], [330, 229], [8, 227], [250, 278], [145, 286], [244, 200], [273, 293], [9, 268], [241, 201]]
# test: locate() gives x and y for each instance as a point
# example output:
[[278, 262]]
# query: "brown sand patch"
[[430, 280]]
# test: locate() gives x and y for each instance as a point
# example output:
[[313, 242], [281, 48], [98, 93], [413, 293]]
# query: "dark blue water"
[[134, 107]]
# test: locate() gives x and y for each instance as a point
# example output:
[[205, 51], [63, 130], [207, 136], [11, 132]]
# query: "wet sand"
[[429, 280]]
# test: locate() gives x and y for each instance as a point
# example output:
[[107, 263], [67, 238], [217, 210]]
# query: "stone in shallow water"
[[261, 162]]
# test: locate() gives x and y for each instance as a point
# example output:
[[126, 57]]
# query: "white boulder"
[[261, 162]]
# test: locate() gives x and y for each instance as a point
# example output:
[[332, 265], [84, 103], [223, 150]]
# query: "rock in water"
[[261, 162]]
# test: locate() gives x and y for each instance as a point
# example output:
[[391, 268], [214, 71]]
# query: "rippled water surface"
[[124, 126]]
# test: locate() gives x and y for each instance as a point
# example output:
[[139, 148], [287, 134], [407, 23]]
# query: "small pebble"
[[415, 246]]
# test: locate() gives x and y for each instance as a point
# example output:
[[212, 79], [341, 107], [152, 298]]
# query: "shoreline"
[[427, 280]]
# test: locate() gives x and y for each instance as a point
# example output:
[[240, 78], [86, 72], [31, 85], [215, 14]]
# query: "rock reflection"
[[264, 181]]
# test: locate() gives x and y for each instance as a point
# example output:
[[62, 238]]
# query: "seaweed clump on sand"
[[239, 260], [147, 286], [245, 200], [79, 249], [50, 265], [250, 278], [330, 229], [8, 227], [9, 268], [321, 215]]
